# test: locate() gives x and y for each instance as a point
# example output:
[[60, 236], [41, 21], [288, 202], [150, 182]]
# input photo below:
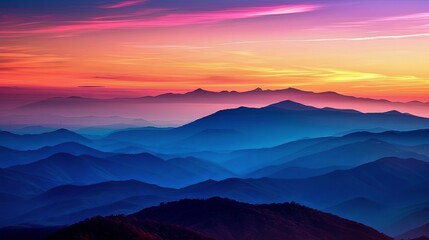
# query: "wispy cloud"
[[168, 19], [250, 42], [404, 21], [172, 46], [123, 4], [367, 38], [14, 58]]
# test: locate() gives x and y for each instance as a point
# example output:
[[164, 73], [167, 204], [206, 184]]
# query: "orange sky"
[[358, 48]]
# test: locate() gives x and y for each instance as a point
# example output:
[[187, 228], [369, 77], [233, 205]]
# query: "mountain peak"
[[291, 89], [291, 105], [62, 130], [256, 90], [199, 91]]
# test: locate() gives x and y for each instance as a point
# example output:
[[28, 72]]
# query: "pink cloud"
[[126, 3], [176, 19]]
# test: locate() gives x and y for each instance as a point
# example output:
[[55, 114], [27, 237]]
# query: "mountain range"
[[222, 219], [230, 220], [64, 168], [377, 182], [182, 108], [371, 168], [275, 124], [35, 141], [121, 228]]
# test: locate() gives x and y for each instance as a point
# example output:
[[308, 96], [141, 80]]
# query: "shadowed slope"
[[226, 219], [121, 228]]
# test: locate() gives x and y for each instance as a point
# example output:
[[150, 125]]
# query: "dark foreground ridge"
[[123, 228], [221, 219]]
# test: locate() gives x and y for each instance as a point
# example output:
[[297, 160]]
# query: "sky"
[[110, 48]]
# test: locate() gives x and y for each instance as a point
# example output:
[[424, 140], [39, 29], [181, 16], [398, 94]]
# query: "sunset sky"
[[109, 48]]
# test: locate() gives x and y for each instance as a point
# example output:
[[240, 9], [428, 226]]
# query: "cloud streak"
[[168, 20], [250, 42], [123, 4]]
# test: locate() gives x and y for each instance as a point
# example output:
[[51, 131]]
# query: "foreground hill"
[[221, 219], [226, 219], [121, 228]]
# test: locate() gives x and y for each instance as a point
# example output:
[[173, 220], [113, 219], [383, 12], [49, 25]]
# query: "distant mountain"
[[248, 160], [378, 181], [361, 210], [35, 141], [176, 106], [275, 125], [20, 129], [225, 219], [415, 137], [267, 161], [420, 233], [122, 228], [15, 189], [70, 203], [22, 184], [215, 140], [291, 106], [271, 125], [24, 123], [83, 211], [388, 181], [280, 171], [410, 217], [65, 168], [201, 167], [345, 156], [12, 157]]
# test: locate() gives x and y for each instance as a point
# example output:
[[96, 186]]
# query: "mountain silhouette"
[[219, 218], [67, 204], [363, 147], [390, 181], [121, 228], [379, 181], [212, 102], [64, 168], [35, 141], [269, 126], [230, 220], [292, 106], [22, 184], [12, 157], [347, 156], [275, 125], [420, 233]]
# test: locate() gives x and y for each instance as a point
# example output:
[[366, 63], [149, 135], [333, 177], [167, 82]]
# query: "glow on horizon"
[[147, 46]]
